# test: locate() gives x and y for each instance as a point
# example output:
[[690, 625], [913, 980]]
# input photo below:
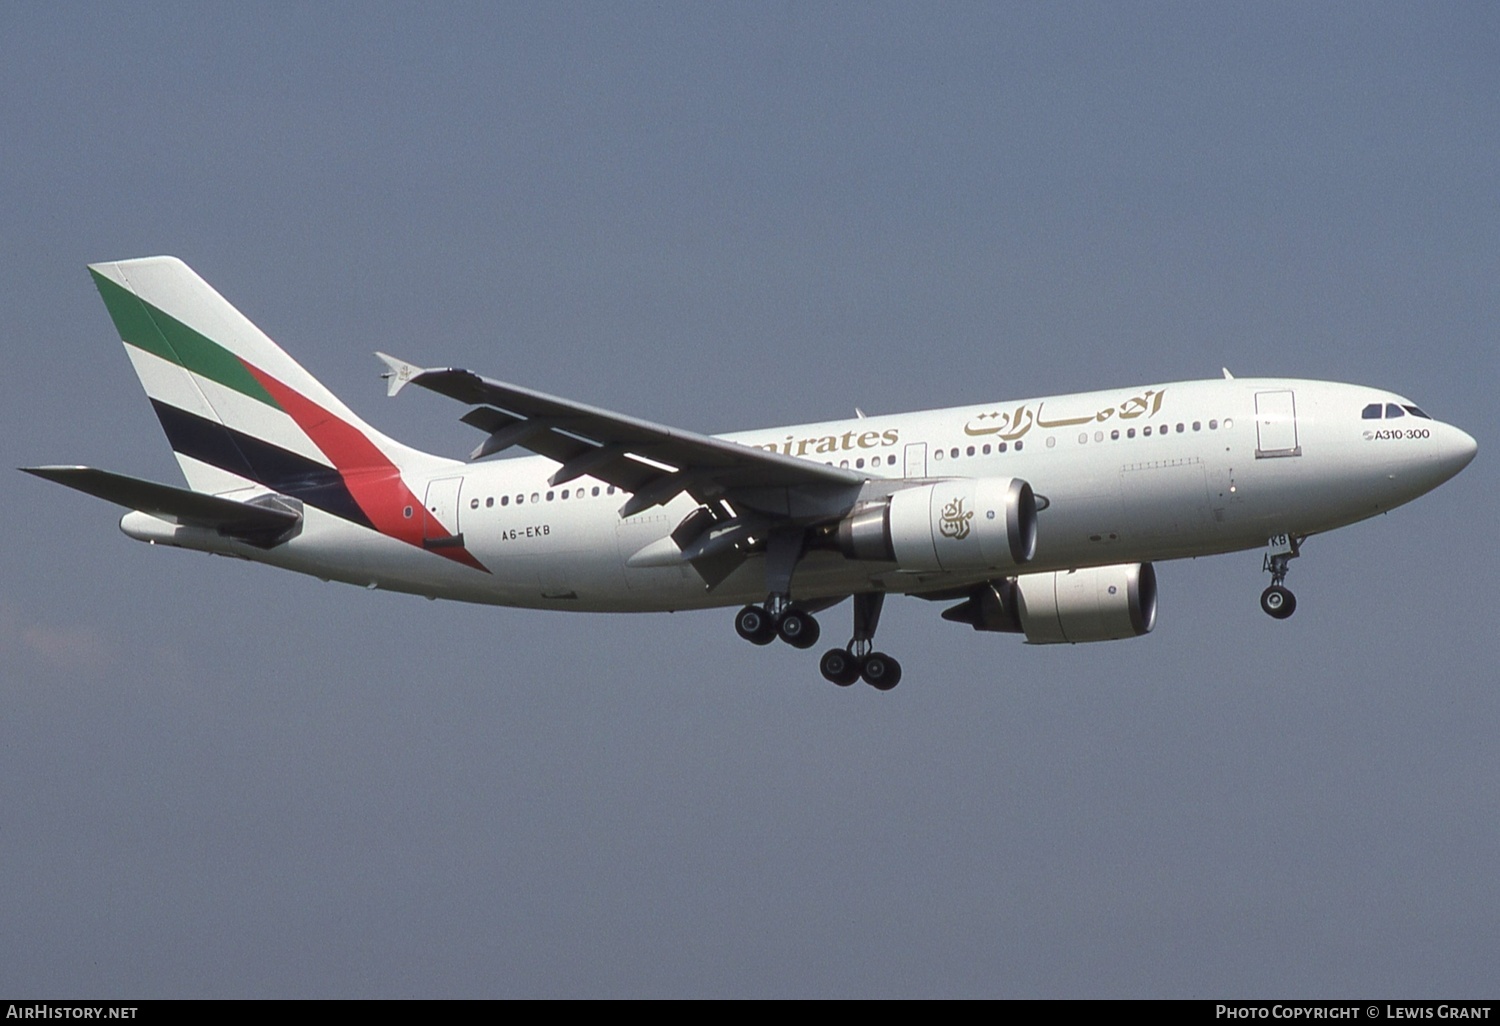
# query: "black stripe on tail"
[[247, 456]]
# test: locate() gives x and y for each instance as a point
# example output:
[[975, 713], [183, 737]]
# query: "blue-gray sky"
[[217, 779]]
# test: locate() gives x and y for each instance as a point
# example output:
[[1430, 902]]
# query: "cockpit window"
[[1415, 412], [1371, 412], [1393, 411]]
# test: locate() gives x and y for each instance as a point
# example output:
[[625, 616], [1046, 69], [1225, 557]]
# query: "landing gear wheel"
[[798, 629], [1277, 601], [755, 625], [880, 671], [839, 667]]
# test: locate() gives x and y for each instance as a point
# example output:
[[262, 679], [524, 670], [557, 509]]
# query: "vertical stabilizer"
[[236, 408], [242, 414]]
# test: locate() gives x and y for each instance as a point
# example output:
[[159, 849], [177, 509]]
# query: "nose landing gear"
[[1278, 600]]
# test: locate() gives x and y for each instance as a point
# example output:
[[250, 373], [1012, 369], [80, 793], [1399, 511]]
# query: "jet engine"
[[961, 524], [1100, 603]]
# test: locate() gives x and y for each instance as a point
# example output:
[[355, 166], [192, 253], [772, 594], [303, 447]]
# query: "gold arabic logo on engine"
[[954, 520]]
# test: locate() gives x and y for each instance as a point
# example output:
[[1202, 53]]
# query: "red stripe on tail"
[[373, 480]]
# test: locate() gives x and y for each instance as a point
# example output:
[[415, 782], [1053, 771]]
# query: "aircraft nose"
[[1459, 449], [1443, 454]]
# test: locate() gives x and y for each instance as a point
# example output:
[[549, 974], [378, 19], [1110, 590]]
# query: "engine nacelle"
[[963, 524], [1100, 603]]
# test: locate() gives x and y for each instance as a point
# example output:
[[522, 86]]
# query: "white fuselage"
[[1125, 476]]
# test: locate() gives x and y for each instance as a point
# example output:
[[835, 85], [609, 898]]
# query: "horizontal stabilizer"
[[254, 523]]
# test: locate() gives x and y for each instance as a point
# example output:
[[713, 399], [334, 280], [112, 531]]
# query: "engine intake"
[[962, 524]]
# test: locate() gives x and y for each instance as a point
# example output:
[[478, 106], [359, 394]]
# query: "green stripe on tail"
[[144, 326]]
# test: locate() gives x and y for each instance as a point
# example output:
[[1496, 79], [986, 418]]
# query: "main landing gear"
[[843, 666], [1278, 600], [761, 625]]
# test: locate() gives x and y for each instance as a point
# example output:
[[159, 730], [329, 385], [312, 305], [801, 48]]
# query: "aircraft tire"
[[755, 625], [798, 629], [880, 671], [839, 667], [1278, 602]]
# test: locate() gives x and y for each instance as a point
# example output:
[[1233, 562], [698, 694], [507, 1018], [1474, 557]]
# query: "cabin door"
[[440, 514], [1276, 424], [916, 459]]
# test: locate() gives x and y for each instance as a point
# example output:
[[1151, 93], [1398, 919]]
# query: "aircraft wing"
[[652, 461]]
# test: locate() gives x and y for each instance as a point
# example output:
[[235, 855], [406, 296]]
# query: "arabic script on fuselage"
[[1013, 424]]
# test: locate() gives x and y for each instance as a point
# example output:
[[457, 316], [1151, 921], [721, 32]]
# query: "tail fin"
[[236, 408]]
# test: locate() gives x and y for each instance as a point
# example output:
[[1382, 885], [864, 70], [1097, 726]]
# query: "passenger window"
[[596, 490], [970, 451], [1392, 411], [1371, 412], [986, 449], [536, 496], [1003, 446], [505, 500], [1146, 431], [520, 499], [1020, 446], [473, 503], [1197, 425], [1114, 436], [1130, 433], [954, 452], [1213, 425], [1181, 427]]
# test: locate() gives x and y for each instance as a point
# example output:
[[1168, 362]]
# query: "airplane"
[[1042, 517]]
